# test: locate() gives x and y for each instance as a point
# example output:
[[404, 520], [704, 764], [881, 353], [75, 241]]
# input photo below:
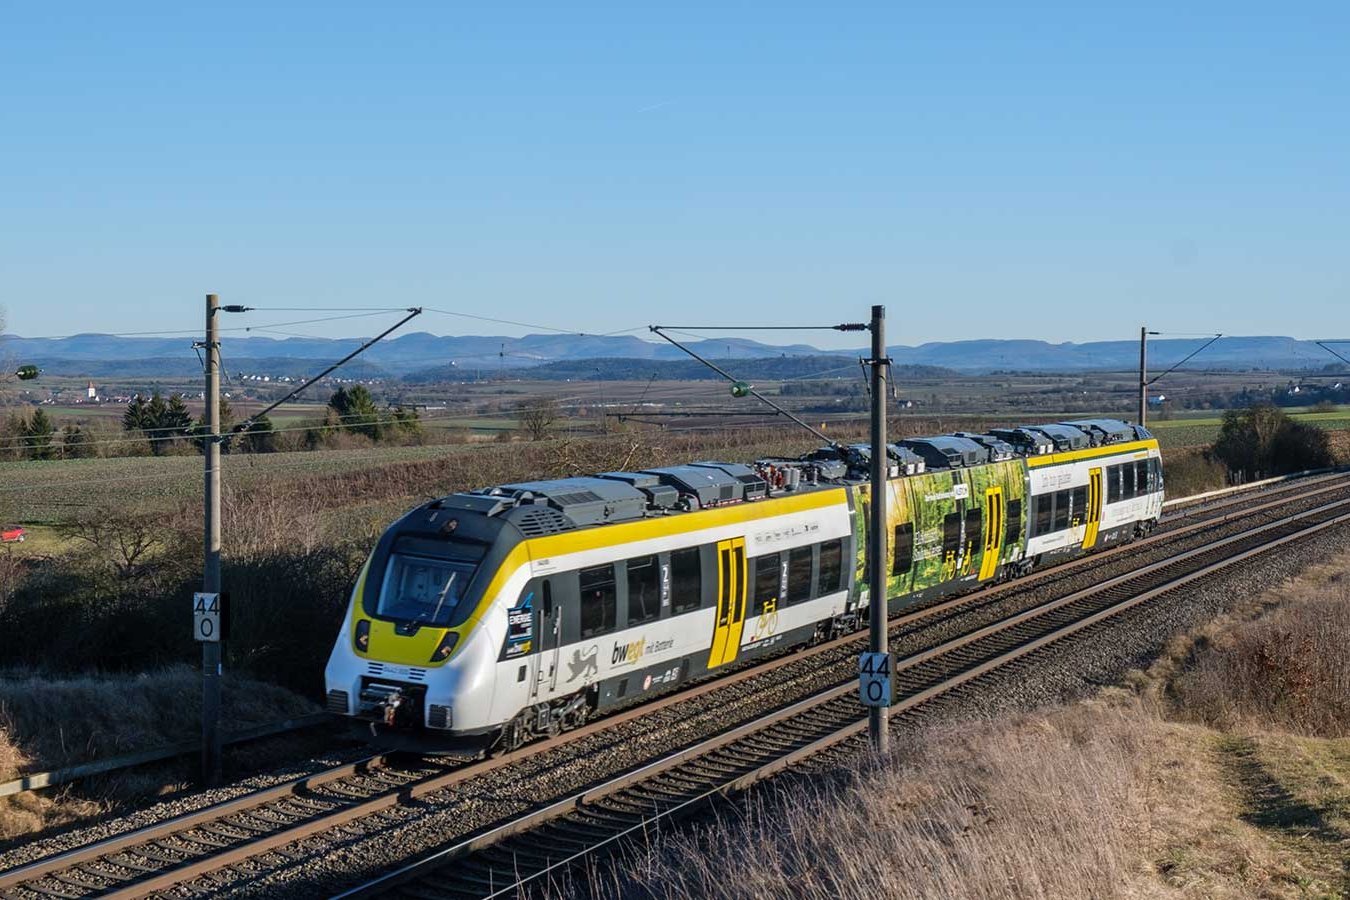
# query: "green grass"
[[1198, 431]]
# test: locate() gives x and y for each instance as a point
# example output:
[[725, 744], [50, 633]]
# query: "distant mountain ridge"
[[100, 354]]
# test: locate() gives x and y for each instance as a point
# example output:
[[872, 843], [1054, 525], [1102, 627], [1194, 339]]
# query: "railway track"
[[244, 839]]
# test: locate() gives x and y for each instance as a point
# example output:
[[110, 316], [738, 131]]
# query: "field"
[[1201, 430]]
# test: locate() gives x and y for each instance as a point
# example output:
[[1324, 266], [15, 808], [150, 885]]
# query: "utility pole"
[[211, 651], [1143, 374], [877, 716]]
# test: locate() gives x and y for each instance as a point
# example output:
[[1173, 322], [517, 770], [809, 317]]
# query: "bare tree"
[[124, 542], [537, 415]]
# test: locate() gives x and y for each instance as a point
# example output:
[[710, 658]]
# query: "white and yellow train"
[[491, 617]]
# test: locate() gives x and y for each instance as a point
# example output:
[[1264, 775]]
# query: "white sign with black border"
[[874, 679], [206, 617]]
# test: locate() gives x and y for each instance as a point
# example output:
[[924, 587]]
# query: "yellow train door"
[[1094, 508], [993, 532], [731, 590]]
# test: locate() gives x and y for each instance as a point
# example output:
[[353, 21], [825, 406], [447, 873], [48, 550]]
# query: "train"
[[488, 618]]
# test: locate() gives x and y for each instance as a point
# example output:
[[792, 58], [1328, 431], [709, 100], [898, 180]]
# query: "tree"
[[199, 430], [163, 421], [1261, 440], [259, 437], [537, 415], [136, 416], [356, 411], [406, 421], [37, 436], [76, 443]]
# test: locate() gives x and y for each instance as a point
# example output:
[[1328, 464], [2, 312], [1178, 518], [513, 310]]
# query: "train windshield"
[[419, 587]]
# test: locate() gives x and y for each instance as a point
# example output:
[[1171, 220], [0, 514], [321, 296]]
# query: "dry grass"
[[1101, 799], [1223, 773], [960, 812], [48, 722]]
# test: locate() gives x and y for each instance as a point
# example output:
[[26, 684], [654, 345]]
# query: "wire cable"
[[1186, 359]]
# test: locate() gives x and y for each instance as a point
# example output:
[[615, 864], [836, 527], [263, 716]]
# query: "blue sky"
[[1054, 171]]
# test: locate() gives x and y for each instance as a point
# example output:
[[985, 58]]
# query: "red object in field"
[[12, 533]]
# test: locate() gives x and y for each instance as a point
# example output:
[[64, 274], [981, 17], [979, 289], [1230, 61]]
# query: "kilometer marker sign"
[[874, 679]]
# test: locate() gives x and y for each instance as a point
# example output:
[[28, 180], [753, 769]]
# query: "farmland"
[[1202, 430]]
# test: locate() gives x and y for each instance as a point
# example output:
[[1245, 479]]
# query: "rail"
[[36, 780]]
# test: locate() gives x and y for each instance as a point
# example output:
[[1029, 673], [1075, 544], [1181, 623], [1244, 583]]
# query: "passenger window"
[[599, 600], [974, 528], [799, 575], [1012, 534], [1113, 484], [644, 590], [1141, 473], [1156, 465], [951, 534], [1043, 511], [903, 560], [768, 583], [1127, 491], [1061, 520], [1078, 512], [831, 567], [686, 580]]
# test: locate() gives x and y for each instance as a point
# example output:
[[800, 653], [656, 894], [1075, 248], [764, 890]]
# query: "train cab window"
[[799, 575], [1078, 505], [831, 567], [903, 560], [1127, 491], [1061, 520], [599, 600], [644, 590], [686, 580], [426, 580], [768, 583], [1012, 534], [1043, 513], [974, 528], [951, 534], [1142, 471]]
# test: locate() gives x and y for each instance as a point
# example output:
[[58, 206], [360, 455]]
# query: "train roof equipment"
[[1065, 437], [548, 507], [948, 451], [1026, 441], [999, 449]]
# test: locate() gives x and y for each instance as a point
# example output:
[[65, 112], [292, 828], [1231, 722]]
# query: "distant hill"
[[101, 355], [775, 368]]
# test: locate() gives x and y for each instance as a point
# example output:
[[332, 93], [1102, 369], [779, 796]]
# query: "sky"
[[1065, 172]]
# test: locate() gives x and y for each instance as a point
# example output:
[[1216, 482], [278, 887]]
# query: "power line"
[[554, 329], [1184, 360]]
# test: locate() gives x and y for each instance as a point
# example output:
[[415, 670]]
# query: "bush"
[[1261, 441], [1289, 670]]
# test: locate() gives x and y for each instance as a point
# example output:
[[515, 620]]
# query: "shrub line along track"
[[140, 862]]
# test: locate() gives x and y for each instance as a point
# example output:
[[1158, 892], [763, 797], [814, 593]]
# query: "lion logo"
[[584, 666]]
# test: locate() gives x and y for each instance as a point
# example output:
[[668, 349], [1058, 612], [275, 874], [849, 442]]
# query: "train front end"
[[413, 664]]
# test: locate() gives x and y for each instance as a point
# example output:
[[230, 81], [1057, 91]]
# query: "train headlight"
[[445, 647], [363, 635]]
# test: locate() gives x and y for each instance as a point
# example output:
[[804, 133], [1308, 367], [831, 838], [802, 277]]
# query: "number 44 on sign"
[[874, 679], [209, 618]]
